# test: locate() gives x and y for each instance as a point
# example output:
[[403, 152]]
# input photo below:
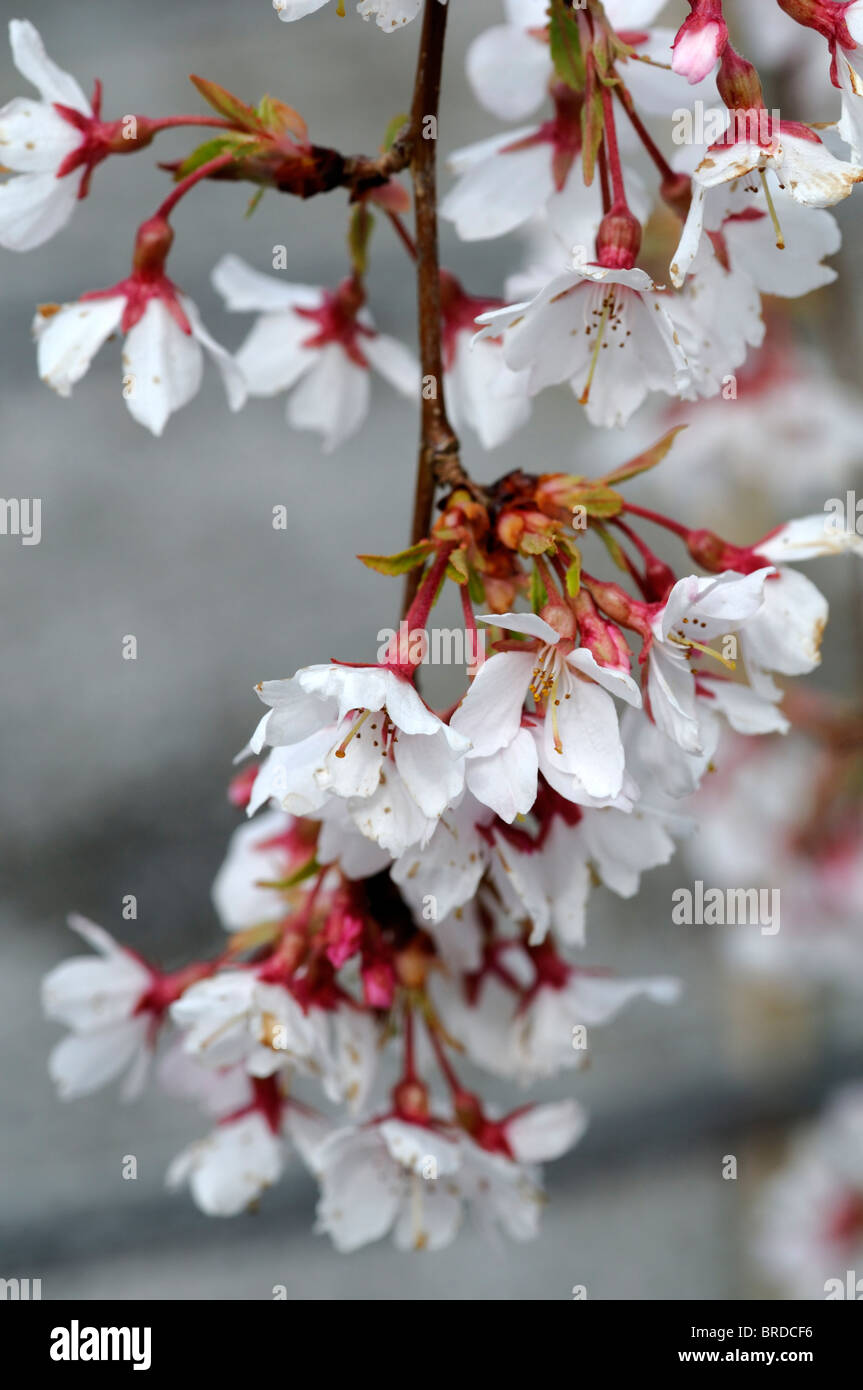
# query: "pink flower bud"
[[379, 984], [700, 40]]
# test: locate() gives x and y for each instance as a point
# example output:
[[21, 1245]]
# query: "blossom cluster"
[[423, 876], [584, 181]]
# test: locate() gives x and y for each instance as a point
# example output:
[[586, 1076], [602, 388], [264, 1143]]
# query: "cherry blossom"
[[231, 1168], [580, 730], [521, 1016], [114, 1007], [696, 612], [570, 330], [318, 344], [165, 338], [739, 221], [40, 143], [398, 779], [412, 1180], [272, 847], [798, 159], [255, 1018], [481, 390]]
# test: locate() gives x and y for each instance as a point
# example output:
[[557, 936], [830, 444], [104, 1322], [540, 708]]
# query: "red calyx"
[[459, 312], [618, 240], [563, 133], [148, 279], [100, 138], [336, 320], [738, 82]]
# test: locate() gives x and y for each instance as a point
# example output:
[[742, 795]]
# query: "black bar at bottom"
[[250, 1338]]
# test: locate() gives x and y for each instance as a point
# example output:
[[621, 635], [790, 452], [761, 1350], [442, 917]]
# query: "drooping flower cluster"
[[424, 876]]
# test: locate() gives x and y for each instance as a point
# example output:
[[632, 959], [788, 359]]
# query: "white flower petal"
[[34, 138], [33, 207], [544, 1132], [490, 713], [332, 398], [163, 365], [69, 340], [245, 289], [31, 60], [396, 363]]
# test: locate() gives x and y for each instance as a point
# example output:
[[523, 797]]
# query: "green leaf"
[[649, 459], [396, 124], [457, 568], [573, 577], [253, 201], [592, 128], [402, 562], [227, 104], [538, 593], [282, 119], [475, 587], [565, 42], [612, 547], [533, 544], [211, 149], [597, 499], [305, 871], [359, 235]]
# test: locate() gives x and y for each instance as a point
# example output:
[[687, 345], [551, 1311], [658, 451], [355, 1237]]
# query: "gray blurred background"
[[115, 771]]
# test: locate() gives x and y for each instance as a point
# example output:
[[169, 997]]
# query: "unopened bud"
[[561, 618], [700, 40], [411, 1100], [826, 17], [738, 82], [659, 578], [618, 240], [412, 964], [152, 245]]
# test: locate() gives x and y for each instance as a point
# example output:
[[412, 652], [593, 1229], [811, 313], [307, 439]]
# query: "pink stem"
[[614, 164], [178, 122], [211, 167], [659, 520], [418, 613]]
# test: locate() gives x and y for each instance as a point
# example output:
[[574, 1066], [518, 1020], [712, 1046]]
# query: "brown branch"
[[308, 171], [439, 464], [362, 172]]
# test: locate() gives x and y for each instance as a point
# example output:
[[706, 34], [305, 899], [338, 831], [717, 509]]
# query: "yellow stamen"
[[699, 647], [543, 676], [558, 741], [420, 1236], [355, 728], [780, 240], [600, 333]]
